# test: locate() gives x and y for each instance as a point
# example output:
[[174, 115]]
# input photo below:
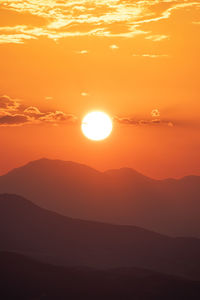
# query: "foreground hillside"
[[23, 278], [50, 237]]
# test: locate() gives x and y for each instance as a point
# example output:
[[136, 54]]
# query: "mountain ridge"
[[45, 159], [121, 196], [49, 237], [55, 282]]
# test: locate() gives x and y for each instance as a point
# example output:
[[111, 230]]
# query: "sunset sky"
[[138, 61]]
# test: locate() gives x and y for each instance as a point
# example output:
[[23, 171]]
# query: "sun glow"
[[97, 126]]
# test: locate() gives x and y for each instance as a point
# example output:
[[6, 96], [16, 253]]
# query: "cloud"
[[108, 18], [114, 47], [13, 119], [48, 98], [84, 94], [82, 52], [157, 37], [32, 111], [152, 55], [143, 122], [155, 120], [155, 113], [7, 104], [57, 117], [13, 112]]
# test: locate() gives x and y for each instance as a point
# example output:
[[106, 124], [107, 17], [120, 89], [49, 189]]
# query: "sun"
[[97, 125]]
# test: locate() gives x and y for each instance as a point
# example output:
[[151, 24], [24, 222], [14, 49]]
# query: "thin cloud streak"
[[151, 55], [157, 37], [154, 121]]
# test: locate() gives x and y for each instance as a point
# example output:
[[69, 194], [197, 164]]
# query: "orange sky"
[[136, 60]]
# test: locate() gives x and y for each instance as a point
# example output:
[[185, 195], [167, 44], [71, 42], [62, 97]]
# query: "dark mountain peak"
[[47, 161], [44, 162], [53, 167], [127, 173]]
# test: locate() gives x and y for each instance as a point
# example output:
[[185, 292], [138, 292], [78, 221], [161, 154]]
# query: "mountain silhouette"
[[121, 196], [28, 229], [25, 278]]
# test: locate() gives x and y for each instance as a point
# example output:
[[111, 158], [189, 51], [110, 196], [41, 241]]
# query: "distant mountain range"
[[24, 278], [121, 196], [47, 236]]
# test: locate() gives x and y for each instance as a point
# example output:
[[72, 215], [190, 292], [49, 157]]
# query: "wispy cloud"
[[48, 98], [84, 94], [154, 119], [82, 52], [13, 112], [143, 122], [151, 55], [114, 47], [157, 37], [111, 18]]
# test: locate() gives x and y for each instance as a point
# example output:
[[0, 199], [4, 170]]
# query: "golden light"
[[96, 126]]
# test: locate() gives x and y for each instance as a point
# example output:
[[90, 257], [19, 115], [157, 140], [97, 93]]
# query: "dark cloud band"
[[13, 112]]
